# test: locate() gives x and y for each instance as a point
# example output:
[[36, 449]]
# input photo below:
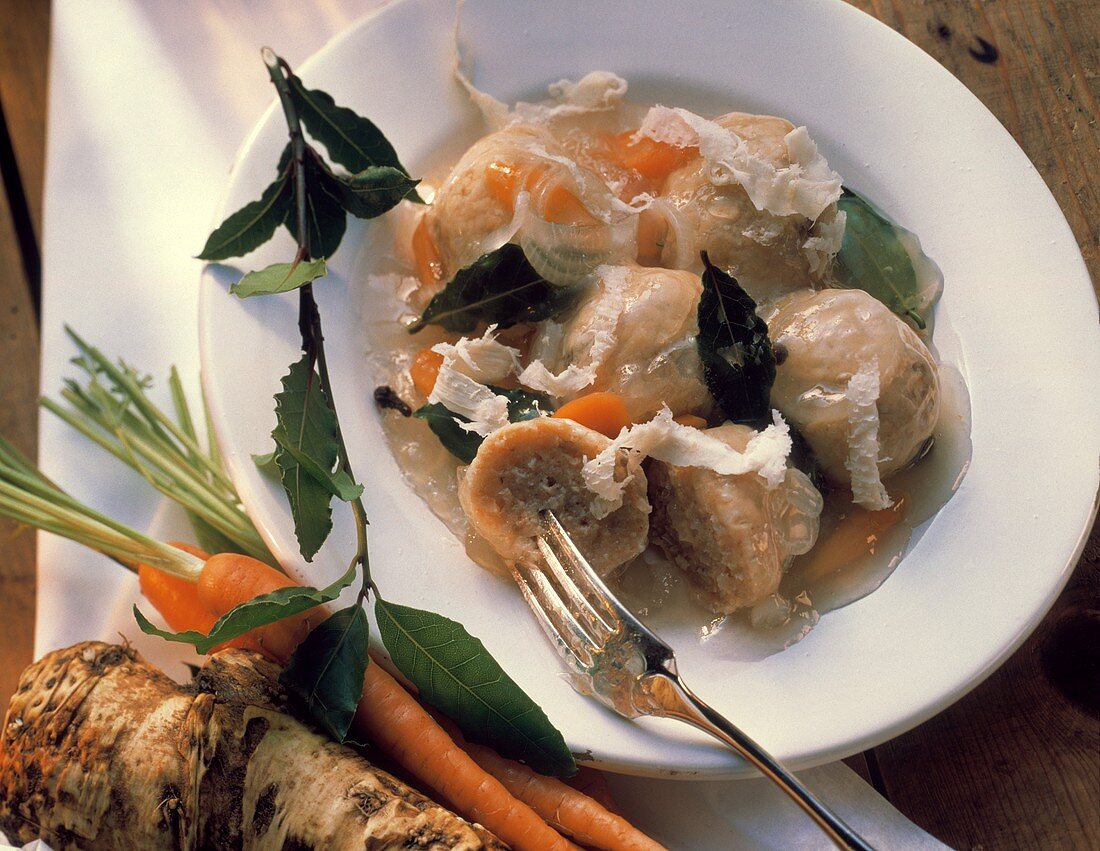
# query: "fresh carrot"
[[176, 599], [426, 257], [690, 420], [603, 412], [651, 159], [573, 812], [425, 370], [400, 727], [229, 579], [593, 783], [178, 602], [855, 536]]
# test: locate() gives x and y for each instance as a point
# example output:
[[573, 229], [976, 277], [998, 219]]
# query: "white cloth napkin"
[[37, 845], [149, 102]]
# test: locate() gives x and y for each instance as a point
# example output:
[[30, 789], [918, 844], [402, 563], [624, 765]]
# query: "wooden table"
[[1015, 764]]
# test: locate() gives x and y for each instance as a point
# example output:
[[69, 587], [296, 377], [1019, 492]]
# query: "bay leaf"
[[326, 220], [279, 278], [874, 259], [463, 444], [444, 424], [499, 287], [306, 421], [733, 344], [253, 224], [338, 482], [456, 674], [373, 191], [326, 670]]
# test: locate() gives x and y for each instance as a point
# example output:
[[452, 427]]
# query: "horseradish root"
[[100, 750]]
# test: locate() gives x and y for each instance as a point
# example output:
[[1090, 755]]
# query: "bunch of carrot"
[[506, 797]]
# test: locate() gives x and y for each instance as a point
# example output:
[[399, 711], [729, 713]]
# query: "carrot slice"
[[502, 181], [425, 370], [560, 206], [602, 411], [650, 158], [426, 257], [652, 236], [690, 420], [855, 536]]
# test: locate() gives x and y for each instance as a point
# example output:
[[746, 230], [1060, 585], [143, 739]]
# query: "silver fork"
[[615, 658]]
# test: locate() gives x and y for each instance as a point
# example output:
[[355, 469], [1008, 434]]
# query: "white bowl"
[[1018, 318]]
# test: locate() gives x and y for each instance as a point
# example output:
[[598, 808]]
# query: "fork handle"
[[691, 708]]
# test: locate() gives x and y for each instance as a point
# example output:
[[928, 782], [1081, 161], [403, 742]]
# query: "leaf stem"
[[362, 555], [153, 418], [309, 316], [163, 465], [918, 320], [277, 70], [28, 497]]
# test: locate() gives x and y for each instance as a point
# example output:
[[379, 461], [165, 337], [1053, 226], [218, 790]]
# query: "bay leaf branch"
[[351, 140]]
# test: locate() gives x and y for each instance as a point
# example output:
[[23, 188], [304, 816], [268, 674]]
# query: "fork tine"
[[578, 603], [588, 579], [585, 576], [574, 644]]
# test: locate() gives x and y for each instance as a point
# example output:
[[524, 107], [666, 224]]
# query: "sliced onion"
[[566, 254], [682, 252]]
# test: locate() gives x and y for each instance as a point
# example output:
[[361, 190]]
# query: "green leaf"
[[350, 139], [279, 278], [326, 220], [326, 670], [733, 344], [873, 258], [260, 611], [456, 674], [500, 287], [305, 421], [338, 482], [253, 224], [373, 191], [266, 463], [444, 423]]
